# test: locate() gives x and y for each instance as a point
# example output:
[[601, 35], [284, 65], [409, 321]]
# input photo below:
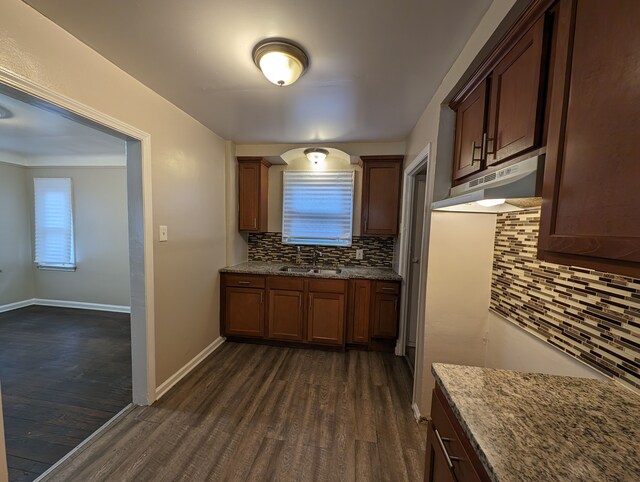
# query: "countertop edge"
[[347, 274], [467, 431]]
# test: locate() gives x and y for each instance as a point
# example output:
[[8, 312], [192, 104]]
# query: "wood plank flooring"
[[255, 412], [64, 373]]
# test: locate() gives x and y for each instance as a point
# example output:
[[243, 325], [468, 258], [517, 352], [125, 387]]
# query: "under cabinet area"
[[315, 311]]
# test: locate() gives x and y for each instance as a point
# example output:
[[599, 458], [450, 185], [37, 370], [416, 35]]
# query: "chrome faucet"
[[314, 259]]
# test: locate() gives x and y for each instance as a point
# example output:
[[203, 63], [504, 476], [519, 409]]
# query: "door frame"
[[420, 162], [140, 222]]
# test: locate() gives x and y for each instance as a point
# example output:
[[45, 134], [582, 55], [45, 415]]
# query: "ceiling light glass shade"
[[490, 202], [281, 61], [316, 154]]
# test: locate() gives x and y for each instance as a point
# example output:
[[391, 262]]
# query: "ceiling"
[[32, 133], [374, 63]]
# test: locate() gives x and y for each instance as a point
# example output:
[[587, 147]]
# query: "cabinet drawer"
[[286, 283], [443, 427], [327, 285], [244, 280], [389, 287]]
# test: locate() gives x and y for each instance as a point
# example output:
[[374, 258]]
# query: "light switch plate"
[[359, 253], [163, 234]]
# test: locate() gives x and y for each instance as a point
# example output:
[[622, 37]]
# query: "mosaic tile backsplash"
[[268, 247], [592, 316]]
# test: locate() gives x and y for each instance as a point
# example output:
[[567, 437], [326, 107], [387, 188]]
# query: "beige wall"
[[303, 164], [101, 238], [236, 241], [511, 348], [458, 291], [188, 163], [16, 259], [436, 127]]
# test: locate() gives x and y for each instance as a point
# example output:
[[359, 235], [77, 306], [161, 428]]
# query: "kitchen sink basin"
[[307, 270]]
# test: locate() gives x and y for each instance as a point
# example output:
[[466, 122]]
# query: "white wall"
[[188, 180], [17, 281], [458, 291], [512, 348], [101, 238]]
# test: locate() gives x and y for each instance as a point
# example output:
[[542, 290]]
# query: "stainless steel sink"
[[307, 270]]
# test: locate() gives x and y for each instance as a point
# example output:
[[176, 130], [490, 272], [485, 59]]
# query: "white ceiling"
[[374, 63], [33, 134]]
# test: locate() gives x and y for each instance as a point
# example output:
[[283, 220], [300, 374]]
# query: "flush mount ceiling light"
[[5, 113], [316, 154], [282, 61]]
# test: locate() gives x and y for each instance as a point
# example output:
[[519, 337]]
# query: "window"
[[317, 208], [53, 223]]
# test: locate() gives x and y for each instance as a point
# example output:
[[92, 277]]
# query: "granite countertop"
[[535, 427], [254, 267]]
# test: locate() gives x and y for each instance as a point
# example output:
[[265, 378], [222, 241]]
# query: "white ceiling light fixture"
[[316, 154], [5, 113], [490, 202], [281, 61]]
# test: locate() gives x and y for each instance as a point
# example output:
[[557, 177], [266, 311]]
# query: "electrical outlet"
[[163, 234], [359, 253]]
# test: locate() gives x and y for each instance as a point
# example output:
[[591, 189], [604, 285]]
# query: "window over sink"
[[317, 208]]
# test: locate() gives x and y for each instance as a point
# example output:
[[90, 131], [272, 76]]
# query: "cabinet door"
[[381, 185], [359, 311], [326, 318], [517, 107], [249, 196], [385, 316], [470, 132], [436, 465], [244, 312], [591, 190], [286, 315]]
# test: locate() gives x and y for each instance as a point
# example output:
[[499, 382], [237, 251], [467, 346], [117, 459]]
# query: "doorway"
[[414, 273], [140, 334]]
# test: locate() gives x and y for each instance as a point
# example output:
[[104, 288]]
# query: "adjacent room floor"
[[64, 373], [253, 412]]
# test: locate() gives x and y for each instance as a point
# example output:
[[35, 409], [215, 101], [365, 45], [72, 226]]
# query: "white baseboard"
[[185, 370], [16, 305], [416, 413], [65, 304]]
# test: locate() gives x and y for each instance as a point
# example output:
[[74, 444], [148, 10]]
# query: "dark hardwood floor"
[[64, 373], [255, 412]]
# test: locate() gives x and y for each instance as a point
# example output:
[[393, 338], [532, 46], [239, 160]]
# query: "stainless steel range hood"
[[516, 181]]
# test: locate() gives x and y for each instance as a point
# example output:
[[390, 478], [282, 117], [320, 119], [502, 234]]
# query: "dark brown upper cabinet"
[[500, 111], [471, 132], [381, 187], [591, 190], [516, 107], [253, 193]]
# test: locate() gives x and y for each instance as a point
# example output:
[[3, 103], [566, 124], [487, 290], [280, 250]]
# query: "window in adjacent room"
[[317, 208], [54, 240]]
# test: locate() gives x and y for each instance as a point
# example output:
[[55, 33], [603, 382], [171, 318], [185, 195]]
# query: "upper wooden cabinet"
[[500, 112], [253, 193], [516, 107], [381, 186], [591, 192], [471, 133]]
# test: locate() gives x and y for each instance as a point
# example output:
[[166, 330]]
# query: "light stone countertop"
[[351, 272], [535, 427]]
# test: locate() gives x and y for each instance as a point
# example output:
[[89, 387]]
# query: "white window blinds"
[[53, 222], [317, 208]]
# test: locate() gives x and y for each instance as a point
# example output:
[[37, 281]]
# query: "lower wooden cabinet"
[[449, 455], [244, 311], [385, 310], [326, 318], [286, 315], [310, 310], [359, 312]]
